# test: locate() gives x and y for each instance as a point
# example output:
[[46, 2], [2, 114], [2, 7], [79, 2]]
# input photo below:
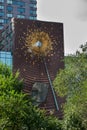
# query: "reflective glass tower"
[[25, 9], [18, 9], [6, 41]]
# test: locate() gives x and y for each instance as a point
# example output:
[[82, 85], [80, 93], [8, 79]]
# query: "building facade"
[[35, 48], [6, 42], [18, 9]]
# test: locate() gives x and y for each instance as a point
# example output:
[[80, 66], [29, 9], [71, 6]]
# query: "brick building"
[[35, 48]]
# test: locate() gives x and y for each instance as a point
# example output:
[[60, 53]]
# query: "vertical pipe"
[[54, 96]]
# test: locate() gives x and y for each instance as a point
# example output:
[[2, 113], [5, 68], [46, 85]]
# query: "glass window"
[[33, 5], [35, 18], [20, 3], [9, 8], [6, 58], [32, 12], [1, 20], [21, 10], [9, 15], [9, 1], [1, 7], [20, 16], [14, 2], [1, 13], [32, 0], [6, 20], [1, 0], [1, 27], [32, 18]]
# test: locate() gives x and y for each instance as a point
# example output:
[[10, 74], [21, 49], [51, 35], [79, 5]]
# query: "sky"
[[73, 14]]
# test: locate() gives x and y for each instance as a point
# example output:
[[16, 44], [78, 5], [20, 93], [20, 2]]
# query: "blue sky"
[[73, 13]]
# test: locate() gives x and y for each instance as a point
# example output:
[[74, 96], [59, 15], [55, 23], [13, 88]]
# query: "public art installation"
[[38, 54]]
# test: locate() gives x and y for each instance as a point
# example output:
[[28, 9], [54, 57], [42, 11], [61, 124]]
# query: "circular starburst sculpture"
[[38, 43]]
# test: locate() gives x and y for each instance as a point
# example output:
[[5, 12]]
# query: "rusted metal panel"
[[31, 66]]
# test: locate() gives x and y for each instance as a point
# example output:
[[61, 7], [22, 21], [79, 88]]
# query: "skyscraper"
[[18, 9]]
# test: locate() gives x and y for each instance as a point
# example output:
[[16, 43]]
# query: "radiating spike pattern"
[[30, 62]]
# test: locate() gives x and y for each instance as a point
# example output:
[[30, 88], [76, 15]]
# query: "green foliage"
[[16, 109], [10, 82], [72, 83], [53, 123], [84, 48], [73, 76], [4, 70], [12, 111]]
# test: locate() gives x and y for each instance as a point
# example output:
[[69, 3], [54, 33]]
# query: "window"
[[1, 0], [32, 0], [32, 12], [1, 27], [33, 5], [20, 16], [33, 18], [14, 2], [21, 10], [9, 8], [6, 58], [1, 20], [6, 20], [20, 3], [9, 15], [9, 1], [1, 14], [1, 7]]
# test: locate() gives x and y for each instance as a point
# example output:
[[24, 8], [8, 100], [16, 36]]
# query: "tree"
[[72, 83], [4, 70], [16, 109]]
